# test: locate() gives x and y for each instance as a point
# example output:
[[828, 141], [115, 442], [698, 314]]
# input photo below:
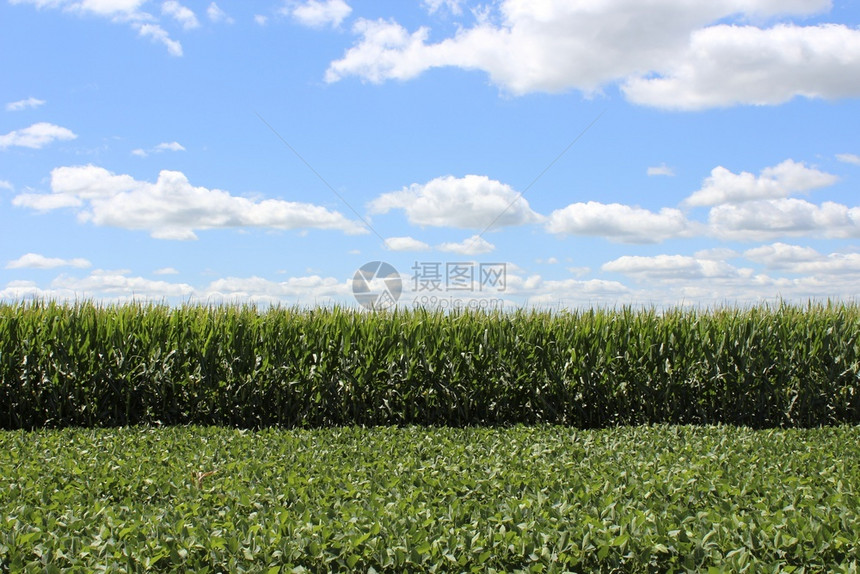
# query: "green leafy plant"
[[526, 499], [91, 365]]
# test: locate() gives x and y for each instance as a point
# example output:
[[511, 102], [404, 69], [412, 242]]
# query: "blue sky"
[[604, 153]]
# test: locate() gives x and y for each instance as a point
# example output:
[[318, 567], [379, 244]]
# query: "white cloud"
[[669, 267], [319, 13], [663, 281], [162, 147], [37, 261], [661, 169], [848, 158], [98, 7], [716, 253], [36, 136], [169, 146], [775, 218], [106, 7], [387, 51], [182, 14], [783, 180], [29, 103], [830, 265], [120, 284], [20, 290], [405, 244], [310, 290], [261, 20], [727, 65], [576, 293], [171, 208], [216, 14], [166, 271], [46, 201], [118, 11], [619, 222], [6, 185], [804, 260], [433, 6], [473, 201], [666, 53], [159, 35], [781, 255], [474, 245]]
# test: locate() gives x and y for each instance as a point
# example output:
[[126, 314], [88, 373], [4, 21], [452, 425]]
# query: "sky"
[[441, 153]]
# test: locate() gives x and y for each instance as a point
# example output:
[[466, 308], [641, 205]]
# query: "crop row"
[[414, 499], [91, 365]]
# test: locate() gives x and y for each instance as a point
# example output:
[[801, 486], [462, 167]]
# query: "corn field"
[[92, 365]]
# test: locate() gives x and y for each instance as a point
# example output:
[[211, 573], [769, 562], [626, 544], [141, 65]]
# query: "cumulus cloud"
[[121, 283], [433, 6], [310, 290], [726, 65], [98, 7], [474, 245], [804, 260], [319, 13], [36, 136], [105, 7], [159, 35], [849, 158], [771, 219], [387, 51], [669, 267], [46, 201], [26, 104], [171, 208], [716, 253], [169, 146], [216, 14], [166, 271], [162, 147], [182, 14], [618, 222], [576, 292], [121, 11], [37, 261], [6, 185], [783, 180], [473, 201], [664, 53], [405, 244], [661, 169], [117, 286]]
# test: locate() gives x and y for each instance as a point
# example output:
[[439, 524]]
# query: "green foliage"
[[90, 365], [527, 499]]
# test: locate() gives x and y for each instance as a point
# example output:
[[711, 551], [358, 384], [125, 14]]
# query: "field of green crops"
[[413, 499], [226, 439], [101, 366]]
